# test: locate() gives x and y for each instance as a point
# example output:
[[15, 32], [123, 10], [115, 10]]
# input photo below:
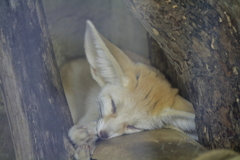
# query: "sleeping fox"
[[110, 94]]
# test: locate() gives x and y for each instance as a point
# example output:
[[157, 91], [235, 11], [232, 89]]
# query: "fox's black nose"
[[103, 135]]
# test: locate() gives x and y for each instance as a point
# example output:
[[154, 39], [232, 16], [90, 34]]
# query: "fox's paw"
[[84, 137], [83, 134], [83, 152]]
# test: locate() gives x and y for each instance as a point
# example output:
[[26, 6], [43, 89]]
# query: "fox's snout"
[[103, 134], [108, 129], [102, 131]]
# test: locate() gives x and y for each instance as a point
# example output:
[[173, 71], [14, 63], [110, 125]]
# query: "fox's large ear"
[[181, 115], [107, 62]]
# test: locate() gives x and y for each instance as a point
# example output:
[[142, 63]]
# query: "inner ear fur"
[[108, 62]]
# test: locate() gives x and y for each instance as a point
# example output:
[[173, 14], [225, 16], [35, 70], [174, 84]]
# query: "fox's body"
[[112, 95], [81, 91]]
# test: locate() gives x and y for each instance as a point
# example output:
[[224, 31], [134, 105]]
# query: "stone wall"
[[67, 21]]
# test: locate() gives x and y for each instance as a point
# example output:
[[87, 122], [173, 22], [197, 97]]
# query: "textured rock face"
[[6, 146]]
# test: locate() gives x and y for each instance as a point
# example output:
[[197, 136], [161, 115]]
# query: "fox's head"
[[134, 97]]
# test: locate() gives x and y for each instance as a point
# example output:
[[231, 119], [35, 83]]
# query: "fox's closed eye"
[[113, 107], [132, 127], [100, 108]]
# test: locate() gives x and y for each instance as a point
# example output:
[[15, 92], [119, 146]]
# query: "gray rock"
[[162, 144]]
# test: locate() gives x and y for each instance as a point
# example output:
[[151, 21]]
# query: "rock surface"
[[162, 144]]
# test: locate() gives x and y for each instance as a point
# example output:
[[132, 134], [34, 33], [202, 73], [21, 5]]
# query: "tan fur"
[[126, 97], [152, 89], [80, 90]]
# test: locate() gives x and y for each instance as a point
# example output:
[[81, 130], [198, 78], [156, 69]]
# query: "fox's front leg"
[[84, 137]]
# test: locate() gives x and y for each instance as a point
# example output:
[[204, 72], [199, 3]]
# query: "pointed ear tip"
[[89, 24]]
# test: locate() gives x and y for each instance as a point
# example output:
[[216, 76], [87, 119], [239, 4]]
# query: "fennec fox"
[[111, 95]]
